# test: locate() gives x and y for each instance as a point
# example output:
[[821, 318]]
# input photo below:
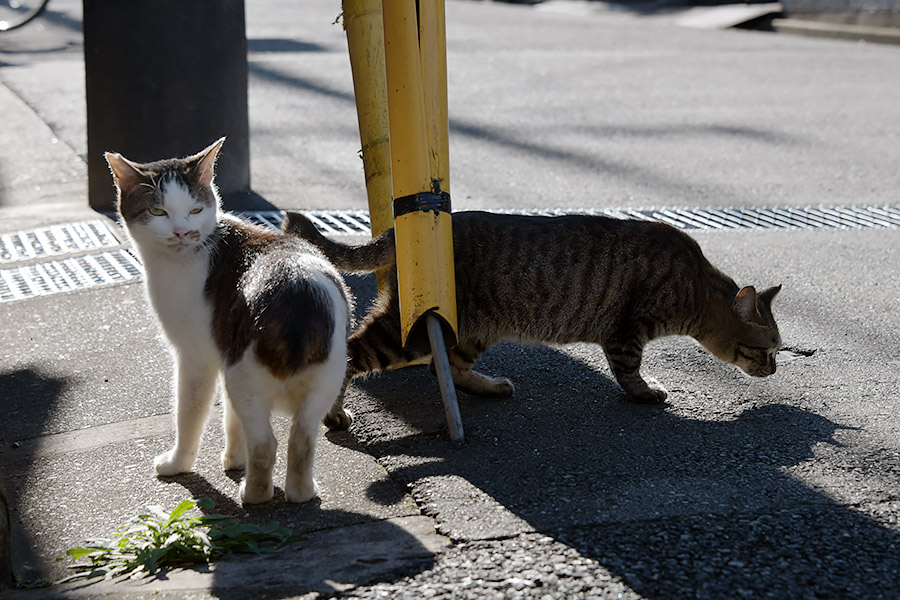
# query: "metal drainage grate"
[[853, 217], [92, 268], [356, 222], [53, 277], [330, 222], [55, 240]]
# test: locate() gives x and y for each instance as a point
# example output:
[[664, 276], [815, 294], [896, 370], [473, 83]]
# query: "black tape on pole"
[[423, 201]]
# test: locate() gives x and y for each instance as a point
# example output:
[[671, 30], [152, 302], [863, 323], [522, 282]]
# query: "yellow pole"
[[424, 238], [365, 40], [422, 227], [433, 55]]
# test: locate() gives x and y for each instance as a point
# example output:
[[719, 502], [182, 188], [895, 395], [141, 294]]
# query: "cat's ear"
[[206, 162], [126, 174], [766, 296], [744, 304]]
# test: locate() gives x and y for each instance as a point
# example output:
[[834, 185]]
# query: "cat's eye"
[[196, 211], [156, 212]]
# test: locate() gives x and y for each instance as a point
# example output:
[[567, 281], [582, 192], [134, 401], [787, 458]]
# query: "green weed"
[[151, 542]]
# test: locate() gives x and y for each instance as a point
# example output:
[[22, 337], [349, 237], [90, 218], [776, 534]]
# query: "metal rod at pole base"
[[445, 379]]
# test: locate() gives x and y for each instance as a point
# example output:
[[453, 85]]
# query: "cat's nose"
[[180, 233]]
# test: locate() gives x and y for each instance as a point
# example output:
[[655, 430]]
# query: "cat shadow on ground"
[[338, 549], [22, 420], [675, 506]]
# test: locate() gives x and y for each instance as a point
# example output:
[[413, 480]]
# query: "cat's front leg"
[[195, 390], [625, 361]]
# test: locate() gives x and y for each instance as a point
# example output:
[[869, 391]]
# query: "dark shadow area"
[[13, 49], [274, 75], [685, 130], [280, 45], [29, 396], [677, 507], [246, 201], [60, 19], [365, 554], [357, 550]]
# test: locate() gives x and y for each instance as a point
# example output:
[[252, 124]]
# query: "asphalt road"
[[784, 487], [549, 109]]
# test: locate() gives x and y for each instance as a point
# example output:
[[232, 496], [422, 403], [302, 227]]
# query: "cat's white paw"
[[169, 463], [502, 387], [479, 384], [256, 492], [302, 492]]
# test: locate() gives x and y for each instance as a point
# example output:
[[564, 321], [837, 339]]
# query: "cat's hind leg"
[[251, 392], [299, 485], [624, 355], [465, 378], [235, 454], [196, 386], [311, 392]]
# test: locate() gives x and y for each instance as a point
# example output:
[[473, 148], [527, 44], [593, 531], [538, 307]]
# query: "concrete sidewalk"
[[774, 488]]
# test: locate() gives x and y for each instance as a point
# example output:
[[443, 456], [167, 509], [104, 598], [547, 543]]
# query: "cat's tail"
[[364, 258]]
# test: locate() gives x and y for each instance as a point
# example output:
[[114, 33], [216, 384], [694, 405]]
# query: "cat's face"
[[168, 205], [750, 339]]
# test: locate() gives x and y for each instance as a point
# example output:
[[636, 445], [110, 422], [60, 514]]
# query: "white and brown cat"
[[265, 311]]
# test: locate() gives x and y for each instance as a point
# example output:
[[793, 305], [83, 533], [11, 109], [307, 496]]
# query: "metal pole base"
[[445, 379]]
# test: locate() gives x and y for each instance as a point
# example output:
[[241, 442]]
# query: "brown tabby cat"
[[576, 278]]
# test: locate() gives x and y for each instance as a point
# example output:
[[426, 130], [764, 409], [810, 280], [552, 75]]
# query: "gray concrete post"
[[165, 79]]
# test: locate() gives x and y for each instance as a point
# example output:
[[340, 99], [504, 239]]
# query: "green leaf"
[[81, 552], [183, 507], [239, 529]]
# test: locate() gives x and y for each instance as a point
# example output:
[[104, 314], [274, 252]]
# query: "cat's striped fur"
[[578, 278]]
